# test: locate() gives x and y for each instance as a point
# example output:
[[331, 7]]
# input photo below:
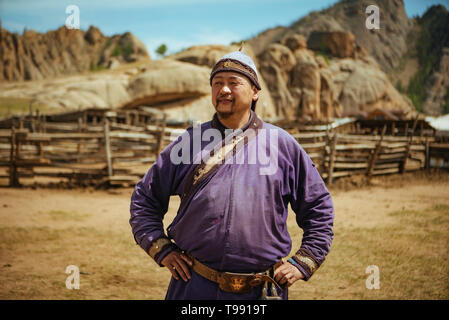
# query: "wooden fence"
[[106, 152], [339, 155]]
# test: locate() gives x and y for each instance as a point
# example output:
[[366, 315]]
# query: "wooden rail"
[[107, 152]]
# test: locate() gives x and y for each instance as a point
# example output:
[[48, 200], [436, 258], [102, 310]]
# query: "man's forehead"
[[229, 75]]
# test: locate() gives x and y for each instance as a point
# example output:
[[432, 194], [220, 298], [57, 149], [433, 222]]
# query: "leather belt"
[[231, 281]]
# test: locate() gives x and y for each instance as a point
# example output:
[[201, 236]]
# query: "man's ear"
[[255, 93]]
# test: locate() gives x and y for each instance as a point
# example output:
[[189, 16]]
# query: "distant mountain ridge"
[[35, 56], [325, 65], [397, 46]]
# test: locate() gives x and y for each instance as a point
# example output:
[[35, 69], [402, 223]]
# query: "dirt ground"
[[400, 224]]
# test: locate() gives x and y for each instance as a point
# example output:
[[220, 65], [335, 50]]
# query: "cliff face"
[[412, 52], [325, 65], [386, 45], [35, 56], [309, 85], [432, 50]]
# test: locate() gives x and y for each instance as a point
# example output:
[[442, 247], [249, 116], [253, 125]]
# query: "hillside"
[[324, 65], [35, 56], [410, 50]]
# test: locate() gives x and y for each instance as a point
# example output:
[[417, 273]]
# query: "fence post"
[[107, 142], [323, 161], [80, 143], [44, 123], [332, 159], [376, 152], [427, 153], [13, 176], [409, 143]]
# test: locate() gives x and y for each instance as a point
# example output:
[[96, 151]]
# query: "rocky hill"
[[34, 56], [410, 50], [323, 66], [429, 86], [386, 45]]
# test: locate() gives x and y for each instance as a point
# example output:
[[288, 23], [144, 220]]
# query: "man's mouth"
[[225, 100]]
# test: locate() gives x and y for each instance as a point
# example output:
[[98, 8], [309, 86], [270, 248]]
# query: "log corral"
[[98, 147], [91, 147]]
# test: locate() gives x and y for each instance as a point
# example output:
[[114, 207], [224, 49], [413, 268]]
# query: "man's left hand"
[[287, 274]]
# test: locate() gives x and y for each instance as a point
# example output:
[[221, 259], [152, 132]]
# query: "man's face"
[[232, 93]]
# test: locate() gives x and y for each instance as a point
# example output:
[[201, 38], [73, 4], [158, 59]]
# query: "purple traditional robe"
[[233, 216]]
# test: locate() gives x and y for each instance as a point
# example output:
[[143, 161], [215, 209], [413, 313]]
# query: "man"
[[229, 237]]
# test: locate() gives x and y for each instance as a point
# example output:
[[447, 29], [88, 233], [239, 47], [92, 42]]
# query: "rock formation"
[[326, 65], [406, 49], [335, 43], [438, 87], [387, 45], [35, 56], [180, 89], [315, 87]]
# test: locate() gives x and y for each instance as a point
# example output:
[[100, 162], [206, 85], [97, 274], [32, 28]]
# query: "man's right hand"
[[178, 264]]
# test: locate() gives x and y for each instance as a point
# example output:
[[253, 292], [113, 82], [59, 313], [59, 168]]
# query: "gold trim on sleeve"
[[157, 246], [309, 262]]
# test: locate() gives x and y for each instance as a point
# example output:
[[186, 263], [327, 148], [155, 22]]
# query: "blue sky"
[[177, 23]]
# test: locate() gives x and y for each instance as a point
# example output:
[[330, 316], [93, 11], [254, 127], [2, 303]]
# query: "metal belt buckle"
[[234, 282]]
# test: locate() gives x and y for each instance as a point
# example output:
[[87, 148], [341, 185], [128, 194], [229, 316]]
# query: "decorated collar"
[[254, 122]]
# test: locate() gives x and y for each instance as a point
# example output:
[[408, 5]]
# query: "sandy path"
[[45, 230]]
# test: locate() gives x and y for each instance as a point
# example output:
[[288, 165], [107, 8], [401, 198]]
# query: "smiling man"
[[229, 239]]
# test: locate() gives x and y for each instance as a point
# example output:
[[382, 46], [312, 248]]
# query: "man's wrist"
[[305, 262], [300, 269], [160, 248], [168, 249]]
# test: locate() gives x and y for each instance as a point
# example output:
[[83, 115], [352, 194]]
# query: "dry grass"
[[401, 229], [20, 106]]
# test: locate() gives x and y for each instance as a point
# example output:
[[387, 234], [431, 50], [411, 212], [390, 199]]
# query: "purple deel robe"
[[235, 218]]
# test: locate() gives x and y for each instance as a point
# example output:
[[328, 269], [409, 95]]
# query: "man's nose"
[[225, 89]]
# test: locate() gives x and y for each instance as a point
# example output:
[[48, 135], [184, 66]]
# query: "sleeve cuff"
[[160, 248], [306, 263], [164, 252]]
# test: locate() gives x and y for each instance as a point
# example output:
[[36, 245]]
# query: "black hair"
[[253, 105]]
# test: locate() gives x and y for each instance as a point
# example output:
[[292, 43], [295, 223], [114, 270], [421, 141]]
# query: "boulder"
[[335, 43], [276, 63], [93, 35], [313, 86], [280, 56], [204, 55], [294, 42], [168, 80], [363, 87]]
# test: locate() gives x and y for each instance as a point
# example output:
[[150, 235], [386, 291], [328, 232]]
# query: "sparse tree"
[[161, 50]]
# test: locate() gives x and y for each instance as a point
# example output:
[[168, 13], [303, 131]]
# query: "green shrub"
[[324, 55], [430, 42], [399, 86], [127, 50], [94, 67], [117, 51], [161, 50]]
